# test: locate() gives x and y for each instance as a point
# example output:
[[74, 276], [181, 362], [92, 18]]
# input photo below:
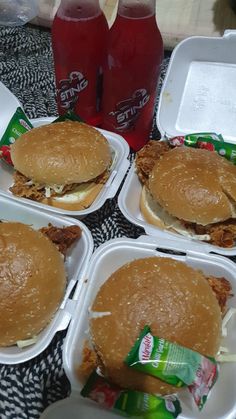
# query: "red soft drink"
[[135, 53], [79, 40]]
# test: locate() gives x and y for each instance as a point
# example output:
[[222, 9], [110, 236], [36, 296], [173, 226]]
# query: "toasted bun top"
[[195, 185], [175, 300], [61, 153], [32, 282]]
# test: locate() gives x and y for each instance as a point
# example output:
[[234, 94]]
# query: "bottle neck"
[[137, 9], [79, 9]]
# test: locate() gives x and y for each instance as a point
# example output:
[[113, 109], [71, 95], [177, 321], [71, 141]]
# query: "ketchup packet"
[[129, 402], [18, 125], [224, 149], [192, 139], [208, 141], [174, 364]]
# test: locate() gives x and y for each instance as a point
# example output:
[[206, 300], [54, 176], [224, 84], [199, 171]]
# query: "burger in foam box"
[[42, 258], [67, 167], [191, 192], [123, 291]]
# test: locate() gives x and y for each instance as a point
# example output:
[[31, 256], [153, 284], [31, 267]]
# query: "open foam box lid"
[[199, 92], [198, 95], [9, 104]]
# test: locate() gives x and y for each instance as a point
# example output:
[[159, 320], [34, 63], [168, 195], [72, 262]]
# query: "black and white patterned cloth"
[[26, 68]]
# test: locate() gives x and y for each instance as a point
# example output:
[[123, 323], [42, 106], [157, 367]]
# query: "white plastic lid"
[[75, 408], [9, 104], [199, 91]]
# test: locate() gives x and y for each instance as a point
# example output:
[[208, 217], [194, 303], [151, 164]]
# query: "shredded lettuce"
[[26, 342], [98, 314], [47, 192], [58, 188]]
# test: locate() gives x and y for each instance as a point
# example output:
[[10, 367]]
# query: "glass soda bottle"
[[79, 41], [132, 67]]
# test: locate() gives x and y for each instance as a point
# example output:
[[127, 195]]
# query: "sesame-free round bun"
[[61, 153], [172, 298], [194, 185], [32, 282]]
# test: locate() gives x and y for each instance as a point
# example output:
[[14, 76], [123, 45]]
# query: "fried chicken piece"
[[88, 364], [147, 157], [222, 290], [20, 188], [221, 234], [35, 192], [63, 237]]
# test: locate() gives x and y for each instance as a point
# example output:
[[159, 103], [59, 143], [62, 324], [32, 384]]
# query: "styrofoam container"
[[119, 147], [76, 263], [105, 260], [9, 103], [198, 95]]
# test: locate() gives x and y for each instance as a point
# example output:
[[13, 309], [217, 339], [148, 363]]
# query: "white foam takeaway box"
[[221, 403], [119, 147], [76, 263], [198, 95]]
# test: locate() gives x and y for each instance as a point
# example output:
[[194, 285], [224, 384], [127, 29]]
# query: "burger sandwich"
[[64, 164], [179, 303], [189, 191], [32, 278]]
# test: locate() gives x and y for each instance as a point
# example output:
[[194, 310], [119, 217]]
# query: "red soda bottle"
[[79, 40], [135, 53]]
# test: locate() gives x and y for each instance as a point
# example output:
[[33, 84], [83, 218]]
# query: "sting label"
[[127, 111], [69, 89]]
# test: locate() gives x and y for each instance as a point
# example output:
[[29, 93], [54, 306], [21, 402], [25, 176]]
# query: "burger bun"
[[173, 299], [194, 185], [32, 282], [62, 153]]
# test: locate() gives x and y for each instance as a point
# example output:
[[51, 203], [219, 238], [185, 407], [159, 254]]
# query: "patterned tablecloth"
[[26, 68]]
